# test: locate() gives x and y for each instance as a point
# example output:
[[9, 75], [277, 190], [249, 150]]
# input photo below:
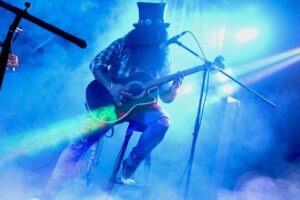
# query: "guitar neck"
[[171, 77]]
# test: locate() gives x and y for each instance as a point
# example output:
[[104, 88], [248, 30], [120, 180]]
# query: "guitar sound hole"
[[135, 89]]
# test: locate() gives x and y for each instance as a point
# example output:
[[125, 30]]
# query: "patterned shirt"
[[115, 58]]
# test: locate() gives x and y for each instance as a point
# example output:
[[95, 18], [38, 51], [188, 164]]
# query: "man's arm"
[[115, 90], [100, 66], [101, 63], [169, 91], [168, 95], [102, 76]]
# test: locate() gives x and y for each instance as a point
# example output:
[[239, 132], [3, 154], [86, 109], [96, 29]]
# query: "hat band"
[[148, 22]]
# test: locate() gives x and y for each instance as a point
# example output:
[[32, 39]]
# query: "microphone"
[[174, 39]]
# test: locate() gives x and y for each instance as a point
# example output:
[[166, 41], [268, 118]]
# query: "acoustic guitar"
[[142, 86]]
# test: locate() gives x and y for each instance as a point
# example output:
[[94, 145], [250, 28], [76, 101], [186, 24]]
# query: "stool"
[[112, 180]]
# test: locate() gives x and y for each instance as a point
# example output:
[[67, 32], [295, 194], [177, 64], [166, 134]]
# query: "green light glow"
[[33, 141]]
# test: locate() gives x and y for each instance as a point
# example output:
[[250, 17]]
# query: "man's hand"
[[119, 93], [169, 95], [177, 83]]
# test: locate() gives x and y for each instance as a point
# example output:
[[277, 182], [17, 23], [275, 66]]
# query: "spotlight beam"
[[247, 88]]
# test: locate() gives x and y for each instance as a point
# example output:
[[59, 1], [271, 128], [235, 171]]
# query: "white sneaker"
[[127, 181]]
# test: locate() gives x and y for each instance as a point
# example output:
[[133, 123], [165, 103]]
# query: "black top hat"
[[151, 14]]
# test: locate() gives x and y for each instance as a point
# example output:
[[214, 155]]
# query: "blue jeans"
[[155, 123]]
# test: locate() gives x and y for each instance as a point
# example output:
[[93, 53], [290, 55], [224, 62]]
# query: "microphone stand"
[[9, 37], [217, 65]]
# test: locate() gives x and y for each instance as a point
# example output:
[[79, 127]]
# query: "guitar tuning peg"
[[219, 61]]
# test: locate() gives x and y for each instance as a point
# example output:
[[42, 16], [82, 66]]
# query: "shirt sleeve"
[[105, 57]]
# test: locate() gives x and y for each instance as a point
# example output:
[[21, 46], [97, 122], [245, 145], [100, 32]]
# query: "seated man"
[[140, 51]]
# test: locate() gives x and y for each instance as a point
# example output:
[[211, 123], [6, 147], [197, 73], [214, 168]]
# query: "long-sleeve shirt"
[[115, 58]]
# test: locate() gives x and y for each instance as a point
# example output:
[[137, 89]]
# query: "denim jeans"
[[155, 122]]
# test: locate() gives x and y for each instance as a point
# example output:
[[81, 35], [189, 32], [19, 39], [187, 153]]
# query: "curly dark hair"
[[147, 51]]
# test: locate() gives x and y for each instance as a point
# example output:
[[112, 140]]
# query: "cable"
[[200, 122], [208, 76], [198, 44], [205, 97]]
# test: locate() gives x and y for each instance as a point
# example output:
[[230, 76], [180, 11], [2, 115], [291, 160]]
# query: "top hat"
[[151, 14]]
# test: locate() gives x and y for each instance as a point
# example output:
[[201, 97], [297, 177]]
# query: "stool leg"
[[119, 160]]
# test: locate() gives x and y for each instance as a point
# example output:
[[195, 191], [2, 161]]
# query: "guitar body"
[[98, 97]]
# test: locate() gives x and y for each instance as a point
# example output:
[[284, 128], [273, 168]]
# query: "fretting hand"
[[177, 82]]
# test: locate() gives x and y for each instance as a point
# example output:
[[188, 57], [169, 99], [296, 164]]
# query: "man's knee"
[[164, 121], [161, 126]]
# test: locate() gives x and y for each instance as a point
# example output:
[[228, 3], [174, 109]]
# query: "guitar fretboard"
[[171, 77]]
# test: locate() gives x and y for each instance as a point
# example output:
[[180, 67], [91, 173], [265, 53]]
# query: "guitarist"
[[139, 51]]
